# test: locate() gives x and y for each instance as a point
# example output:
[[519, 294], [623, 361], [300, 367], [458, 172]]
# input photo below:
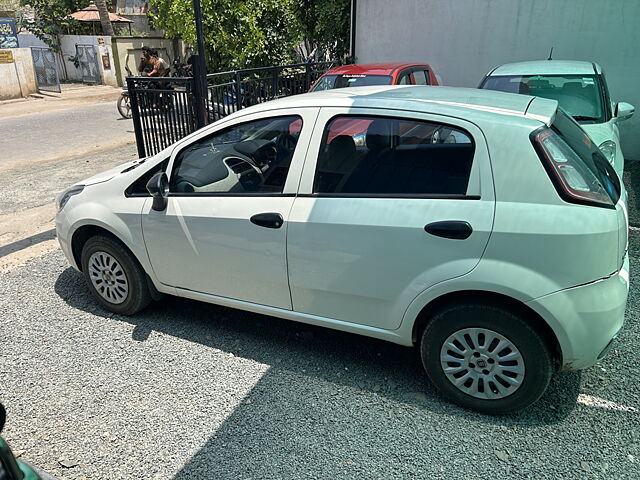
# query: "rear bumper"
[[586, 318]]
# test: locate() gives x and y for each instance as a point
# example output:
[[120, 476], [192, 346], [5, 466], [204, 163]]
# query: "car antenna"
[[550, 53]]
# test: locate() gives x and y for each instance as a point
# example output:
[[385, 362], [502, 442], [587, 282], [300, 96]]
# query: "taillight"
[[573, 180]]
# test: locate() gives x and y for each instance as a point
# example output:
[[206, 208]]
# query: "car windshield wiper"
[[579, 118]]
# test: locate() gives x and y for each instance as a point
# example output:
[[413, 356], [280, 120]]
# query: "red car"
[[376, 74]]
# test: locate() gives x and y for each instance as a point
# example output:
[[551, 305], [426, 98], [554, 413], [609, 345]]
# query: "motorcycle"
[[124, 101], [179, 70]]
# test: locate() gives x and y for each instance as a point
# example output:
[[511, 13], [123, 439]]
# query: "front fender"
[[123, 224]]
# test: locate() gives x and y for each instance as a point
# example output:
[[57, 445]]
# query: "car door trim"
[[433, 196], [229, 194]]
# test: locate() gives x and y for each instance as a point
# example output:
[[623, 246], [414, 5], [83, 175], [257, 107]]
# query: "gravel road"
[[194, 391]]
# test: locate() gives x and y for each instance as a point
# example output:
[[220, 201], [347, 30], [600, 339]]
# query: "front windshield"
[[329, 82], [578, 95]]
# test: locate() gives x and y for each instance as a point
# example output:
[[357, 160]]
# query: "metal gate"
[[88, 61], [45, 65], [165, 109]]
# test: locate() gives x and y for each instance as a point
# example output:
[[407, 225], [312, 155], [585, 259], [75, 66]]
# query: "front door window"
[[252, 157]]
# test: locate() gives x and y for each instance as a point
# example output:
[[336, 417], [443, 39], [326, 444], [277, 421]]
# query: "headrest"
[[343, 145], [378, 135]]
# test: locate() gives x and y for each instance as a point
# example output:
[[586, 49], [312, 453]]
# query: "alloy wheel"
[[482, 363], [108, 277]]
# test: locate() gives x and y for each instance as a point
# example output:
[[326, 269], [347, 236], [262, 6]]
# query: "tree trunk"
[[107, 28]]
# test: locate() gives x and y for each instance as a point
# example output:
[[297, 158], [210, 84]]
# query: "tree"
[[254, 33], [324, 26], [50, 18], [107, 28]]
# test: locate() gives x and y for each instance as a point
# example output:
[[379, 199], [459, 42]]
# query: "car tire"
[[462, 339], [114, 276]]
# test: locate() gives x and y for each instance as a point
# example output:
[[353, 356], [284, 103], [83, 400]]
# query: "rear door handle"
[[454, 229], [267, 220]]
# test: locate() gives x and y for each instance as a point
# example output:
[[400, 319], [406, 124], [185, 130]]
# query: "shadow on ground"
[[360, 363]]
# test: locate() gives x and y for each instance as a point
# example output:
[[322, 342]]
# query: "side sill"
[[357, 329]]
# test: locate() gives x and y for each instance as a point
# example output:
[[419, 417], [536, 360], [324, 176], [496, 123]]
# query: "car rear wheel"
[[485, 358], [114, 276]]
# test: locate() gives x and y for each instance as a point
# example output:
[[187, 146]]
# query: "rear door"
[[385, 211]]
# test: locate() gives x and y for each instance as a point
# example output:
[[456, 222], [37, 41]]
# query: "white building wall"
[[68, 70], [18, 78], [464, 39]]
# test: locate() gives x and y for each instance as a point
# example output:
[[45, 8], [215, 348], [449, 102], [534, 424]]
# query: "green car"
[[10, 468]]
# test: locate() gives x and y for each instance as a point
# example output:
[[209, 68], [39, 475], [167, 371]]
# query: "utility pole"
[[352, 31], [200, 70]]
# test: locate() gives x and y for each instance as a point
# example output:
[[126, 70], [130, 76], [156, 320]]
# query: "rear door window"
[[421, 77], [382, 156]]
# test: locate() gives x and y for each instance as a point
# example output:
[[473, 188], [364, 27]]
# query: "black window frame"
[[606, 97], [234, 194], [425, 196], [159, 167], [407, 72]]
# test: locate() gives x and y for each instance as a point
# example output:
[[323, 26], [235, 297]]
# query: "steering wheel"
[[440, 135], [285, 143], [248, 161]]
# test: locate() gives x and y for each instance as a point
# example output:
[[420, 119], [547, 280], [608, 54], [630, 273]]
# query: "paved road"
[[60, 134]]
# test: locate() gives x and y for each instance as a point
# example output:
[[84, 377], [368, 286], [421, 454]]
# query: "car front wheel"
[[114, 276], [485, 358]]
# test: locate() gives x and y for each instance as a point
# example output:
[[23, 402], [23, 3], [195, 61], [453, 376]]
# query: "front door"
[[231, 191], [388, 206]]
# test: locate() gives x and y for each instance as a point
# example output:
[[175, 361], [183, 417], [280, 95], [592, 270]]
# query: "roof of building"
[[548, 67], [453, 101], [372, 68], [91, 14]]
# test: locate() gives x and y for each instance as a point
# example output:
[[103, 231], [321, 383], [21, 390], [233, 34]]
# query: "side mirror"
[[158, 187], [624, 111]]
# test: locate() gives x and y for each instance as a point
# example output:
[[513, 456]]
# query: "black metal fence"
[[167, 109]]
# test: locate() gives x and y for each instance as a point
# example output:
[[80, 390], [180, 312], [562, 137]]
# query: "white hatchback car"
[[579, 87], [461, 223]]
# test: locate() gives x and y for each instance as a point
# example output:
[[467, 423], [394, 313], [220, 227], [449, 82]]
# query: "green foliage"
[[324, 26], [254, 33], [51, 18]]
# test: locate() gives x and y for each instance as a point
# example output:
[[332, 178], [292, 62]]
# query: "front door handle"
[[267, 220], [454, 229]]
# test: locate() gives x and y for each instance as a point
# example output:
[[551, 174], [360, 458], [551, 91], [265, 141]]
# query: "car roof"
[[372, 68], [547, 67], [452, 101]]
